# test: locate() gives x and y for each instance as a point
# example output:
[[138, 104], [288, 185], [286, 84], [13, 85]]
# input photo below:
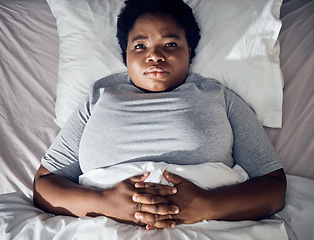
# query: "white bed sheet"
[[28, 77], [28, 67]]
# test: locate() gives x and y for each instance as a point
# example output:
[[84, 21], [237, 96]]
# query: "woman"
[[158, 112]]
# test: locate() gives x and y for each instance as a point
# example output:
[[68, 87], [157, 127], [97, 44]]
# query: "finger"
[[156, 189], [155, 221], [149, 218], [149, 185], [173, 178], [160, 209], [149, 198], [139, 178], [161, 224]]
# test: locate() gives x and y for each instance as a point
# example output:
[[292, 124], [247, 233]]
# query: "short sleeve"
[[252, 149], [62, 158]]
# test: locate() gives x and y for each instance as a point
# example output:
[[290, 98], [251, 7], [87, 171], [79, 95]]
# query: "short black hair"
[[177, 9]]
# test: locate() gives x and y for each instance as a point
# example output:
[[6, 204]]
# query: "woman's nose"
[[155, 55]]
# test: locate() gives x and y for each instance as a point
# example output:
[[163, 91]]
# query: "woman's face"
[[158, 56]]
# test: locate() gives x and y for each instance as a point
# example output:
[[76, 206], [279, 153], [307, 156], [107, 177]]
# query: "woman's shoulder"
[[202, 81], [206, 84], [111, 80], [195, 77], [108, 82], [212, 85]]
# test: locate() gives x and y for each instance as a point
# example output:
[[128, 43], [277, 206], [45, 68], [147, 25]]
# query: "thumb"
[[139, 178], [173, 178]]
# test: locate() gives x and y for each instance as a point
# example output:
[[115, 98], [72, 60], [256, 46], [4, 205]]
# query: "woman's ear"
[[190, 51]]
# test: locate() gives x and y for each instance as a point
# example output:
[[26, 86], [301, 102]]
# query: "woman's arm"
[[59, 195], [255, 199]]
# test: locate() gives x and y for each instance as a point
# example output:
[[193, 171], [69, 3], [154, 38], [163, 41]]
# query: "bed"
[[39, 70]]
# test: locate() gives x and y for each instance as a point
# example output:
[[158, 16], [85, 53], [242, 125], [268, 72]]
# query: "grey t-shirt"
[[199, 121]]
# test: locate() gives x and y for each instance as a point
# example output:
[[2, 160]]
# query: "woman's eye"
[[139, 46], [171, 44]]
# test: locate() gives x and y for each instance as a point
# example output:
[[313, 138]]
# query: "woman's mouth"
[[155, 72]]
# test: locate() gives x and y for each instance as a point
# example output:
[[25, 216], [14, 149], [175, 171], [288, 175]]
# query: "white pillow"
[[238, 47]]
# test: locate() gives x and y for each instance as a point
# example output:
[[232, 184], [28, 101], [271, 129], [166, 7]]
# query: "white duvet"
[[21, 220]]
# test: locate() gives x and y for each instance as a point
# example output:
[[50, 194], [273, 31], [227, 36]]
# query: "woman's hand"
[[124, 201], [188, 198], [254, 199]]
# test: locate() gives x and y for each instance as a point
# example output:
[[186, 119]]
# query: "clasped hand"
[[155, 205]]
